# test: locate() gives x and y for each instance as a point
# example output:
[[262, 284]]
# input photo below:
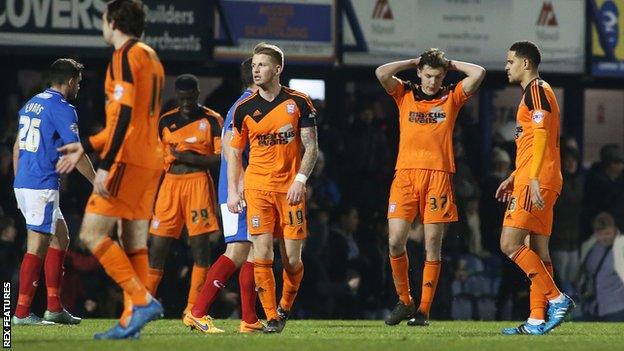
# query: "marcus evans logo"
[[436, 115], [283, 136]]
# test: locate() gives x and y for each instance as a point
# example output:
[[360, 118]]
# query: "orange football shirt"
[[134, 81], [272, 129], [201, 134], [538, 109], [426, 126]]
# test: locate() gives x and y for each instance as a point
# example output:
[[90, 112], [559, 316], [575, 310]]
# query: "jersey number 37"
[[29, 135]]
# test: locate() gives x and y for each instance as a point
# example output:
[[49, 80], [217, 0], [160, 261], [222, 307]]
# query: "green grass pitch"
[[171, 335]]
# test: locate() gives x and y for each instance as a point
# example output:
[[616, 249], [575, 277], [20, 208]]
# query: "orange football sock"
[[400, 275], [265, 284], [431, 273], [534, 268], [292, 280], [538, 300], [154, 275], [118, 267], [198, 277], [140, 264]]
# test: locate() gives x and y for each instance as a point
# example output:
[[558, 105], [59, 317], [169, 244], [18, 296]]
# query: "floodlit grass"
[[171, 335]]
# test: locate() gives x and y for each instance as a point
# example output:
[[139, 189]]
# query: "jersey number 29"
[[29, 136]]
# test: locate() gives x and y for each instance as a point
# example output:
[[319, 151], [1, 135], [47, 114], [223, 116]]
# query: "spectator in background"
[[564, 241], [376, 291], [8, 205], [370, 162], [325, 193], [344, 257], [604, 188], [8, 250], [602, 271], [491, 210]]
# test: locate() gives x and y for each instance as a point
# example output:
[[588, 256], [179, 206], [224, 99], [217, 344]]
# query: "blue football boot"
[[557, 311], [526, 329], [115, 333]]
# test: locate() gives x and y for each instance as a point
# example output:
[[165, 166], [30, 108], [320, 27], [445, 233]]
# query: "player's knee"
[[201, 258], [89, 240], [237, 253], [292, 264], [396, 245], [509, 247], [158, 251], [263, 251], [38, 245]]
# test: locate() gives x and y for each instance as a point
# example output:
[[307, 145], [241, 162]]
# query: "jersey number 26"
[[29, 136]]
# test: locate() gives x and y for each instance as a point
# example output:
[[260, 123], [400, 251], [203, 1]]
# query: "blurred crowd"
[[346, 255]]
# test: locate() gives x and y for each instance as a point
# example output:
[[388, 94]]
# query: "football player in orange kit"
[[532, 189], [131, 164], [191, 138], [422, 184], [279, 124]]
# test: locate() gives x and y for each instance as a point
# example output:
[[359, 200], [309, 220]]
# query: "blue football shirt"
[[46, 122], [227, 126]]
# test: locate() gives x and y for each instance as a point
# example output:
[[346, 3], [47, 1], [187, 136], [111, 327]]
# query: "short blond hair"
[[276, 54]]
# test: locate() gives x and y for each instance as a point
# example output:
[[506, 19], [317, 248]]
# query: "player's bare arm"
[[72, 153], [235, 167], [310, 142], [385, 73], [226, 149], [474, 75], [85, 167]]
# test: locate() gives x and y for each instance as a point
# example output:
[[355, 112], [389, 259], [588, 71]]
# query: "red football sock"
[[217, 275], [28, 281], [53, 269], [248, 292]]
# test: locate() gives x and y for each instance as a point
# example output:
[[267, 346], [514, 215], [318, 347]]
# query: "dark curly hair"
[[129, 16]]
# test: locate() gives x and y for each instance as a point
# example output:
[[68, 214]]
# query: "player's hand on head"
[[296, 193], [536, 195], [99, 184], [71, 154]]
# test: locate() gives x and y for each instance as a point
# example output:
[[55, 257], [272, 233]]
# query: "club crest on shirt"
[[118, 92], [255, 221], [290, 108], [538, 116], [392, 207], [202, 125], [155, 224]]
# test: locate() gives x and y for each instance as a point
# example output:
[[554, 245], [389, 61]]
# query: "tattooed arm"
[[310, 143]]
